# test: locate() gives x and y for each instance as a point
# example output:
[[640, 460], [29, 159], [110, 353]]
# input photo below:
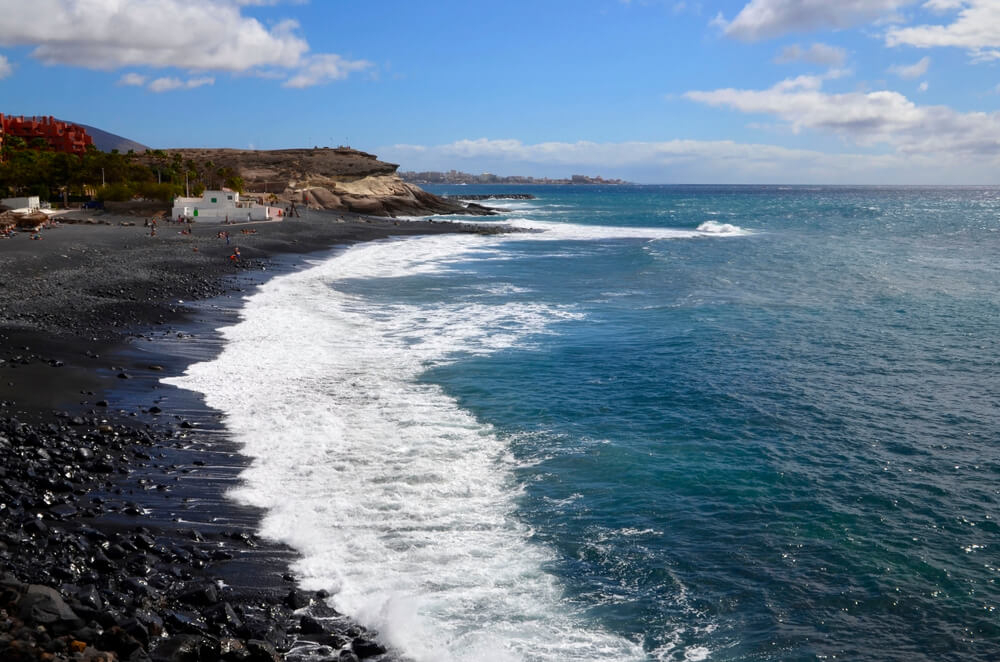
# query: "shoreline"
[[147, 557]]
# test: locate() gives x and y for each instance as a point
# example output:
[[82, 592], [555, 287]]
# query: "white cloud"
[[196, 35], [674, 161], [169, 83], [923, 86], [5, 67], [137, 80], [975, 29], [872, 118], [943, 5], [909, 71], [764, 19], [818, 53], [320, 69]]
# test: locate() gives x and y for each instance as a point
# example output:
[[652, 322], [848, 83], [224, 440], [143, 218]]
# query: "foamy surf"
[[398, 501], [579, 232]]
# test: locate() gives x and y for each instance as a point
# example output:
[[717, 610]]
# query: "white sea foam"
[[714, 227], [576, 231], [398, 501]]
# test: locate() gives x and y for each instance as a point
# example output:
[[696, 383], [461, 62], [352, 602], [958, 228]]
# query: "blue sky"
[[741, 91]]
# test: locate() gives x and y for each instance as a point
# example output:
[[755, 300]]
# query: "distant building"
[[31, 204], [60, 136], [224, 204]]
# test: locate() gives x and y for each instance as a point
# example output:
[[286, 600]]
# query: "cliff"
[[340, 179]]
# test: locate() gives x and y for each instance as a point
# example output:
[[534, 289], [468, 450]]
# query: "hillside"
[[107, 142], [338, 179]]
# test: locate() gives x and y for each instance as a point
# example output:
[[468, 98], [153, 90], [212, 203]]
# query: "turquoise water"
[[775, 446], [670, 423]]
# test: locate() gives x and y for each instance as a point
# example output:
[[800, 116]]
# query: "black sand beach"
[[116, 538]]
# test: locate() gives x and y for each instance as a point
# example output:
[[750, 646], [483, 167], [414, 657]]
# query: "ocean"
[[665, 423]]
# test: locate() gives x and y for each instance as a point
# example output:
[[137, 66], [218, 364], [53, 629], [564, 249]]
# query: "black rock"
[[366, 648], [138, 587], [296, 599], [137, 630], [44, 606], [36, 527], [185, 621], [262, 651], [62, 511], [186, 648], [203, 594], [121, 642], [90, 598], [309, 625], [223, 614]]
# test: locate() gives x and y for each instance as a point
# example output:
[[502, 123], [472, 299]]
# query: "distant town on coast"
[[457, 177]]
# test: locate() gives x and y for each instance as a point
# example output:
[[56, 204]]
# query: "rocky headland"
[[335, 179]]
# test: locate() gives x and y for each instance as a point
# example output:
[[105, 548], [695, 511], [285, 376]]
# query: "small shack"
[[222, 204], [22, 204]]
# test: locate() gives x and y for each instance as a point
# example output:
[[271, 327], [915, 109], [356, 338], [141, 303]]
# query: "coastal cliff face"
[[340, 179]]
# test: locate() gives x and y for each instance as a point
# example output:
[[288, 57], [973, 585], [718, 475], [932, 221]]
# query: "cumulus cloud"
[[196, 35], [167, 84], [325, 68], [975, 29], [909, 71], [764, 19], [818, 53], [132, 79], [872, 118], [943, 5], [5, 68]]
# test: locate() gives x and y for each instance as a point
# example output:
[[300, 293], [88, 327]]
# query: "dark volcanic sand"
[[112, 486]]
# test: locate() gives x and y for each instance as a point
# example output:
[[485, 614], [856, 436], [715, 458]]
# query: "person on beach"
[[235, 257]]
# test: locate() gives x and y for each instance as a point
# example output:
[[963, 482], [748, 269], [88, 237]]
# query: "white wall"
[[21, 203]]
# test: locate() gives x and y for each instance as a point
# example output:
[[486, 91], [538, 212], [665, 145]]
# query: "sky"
[[652, 91]]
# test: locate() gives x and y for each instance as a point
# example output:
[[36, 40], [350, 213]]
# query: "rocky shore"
[[116, 539]]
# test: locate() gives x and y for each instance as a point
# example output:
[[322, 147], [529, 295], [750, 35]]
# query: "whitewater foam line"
[[398, 501], [558, 231]]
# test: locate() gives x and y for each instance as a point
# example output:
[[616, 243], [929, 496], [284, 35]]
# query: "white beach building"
[[22, 204], [222, 204]]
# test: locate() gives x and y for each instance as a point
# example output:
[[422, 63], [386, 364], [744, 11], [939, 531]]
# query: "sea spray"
[[399, 502]]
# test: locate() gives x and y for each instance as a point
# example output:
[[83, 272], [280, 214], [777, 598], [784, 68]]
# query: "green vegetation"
[[34, 169]]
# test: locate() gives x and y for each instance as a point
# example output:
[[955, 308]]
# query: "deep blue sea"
[[669, 423]]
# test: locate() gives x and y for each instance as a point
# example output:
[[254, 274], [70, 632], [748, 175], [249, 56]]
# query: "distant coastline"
[[456, 177]]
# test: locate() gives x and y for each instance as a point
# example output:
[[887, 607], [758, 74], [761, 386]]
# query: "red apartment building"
[[61, 136]]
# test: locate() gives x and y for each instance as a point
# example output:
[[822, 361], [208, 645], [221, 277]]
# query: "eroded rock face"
[[379, 195], [340, 179]]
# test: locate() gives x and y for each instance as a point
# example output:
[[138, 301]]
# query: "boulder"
[[42, 605], [187, 648]]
